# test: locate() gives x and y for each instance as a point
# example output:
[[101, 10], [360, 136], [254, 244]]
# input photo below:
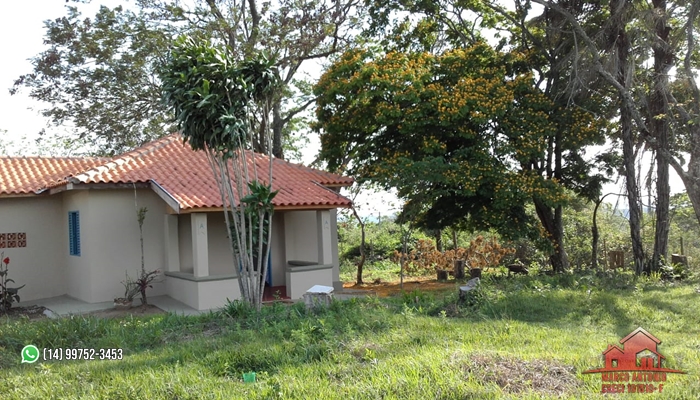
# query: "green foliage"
[[456, 134], [212, 95], [97, 77], [382, 239], [98, 74], [8, 295], [414, 346]]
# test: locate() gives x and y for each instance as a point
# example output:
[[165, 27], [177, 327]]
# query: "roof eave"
[[308, 207], [166, 196]]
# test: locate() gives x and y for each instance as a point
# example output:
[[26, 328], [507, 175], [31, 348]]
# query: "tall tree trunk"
[[552, 222], [360, 265], [438, 240], [596, 234], [277, 127], [691, 178], [659, 112], [623, 74]]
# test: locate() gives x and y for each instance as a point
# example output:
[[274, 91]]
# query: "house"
[[639, 353], [70, 228]]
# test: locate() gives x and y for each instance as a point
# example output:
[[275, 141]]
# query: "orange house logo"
[[638, 361]]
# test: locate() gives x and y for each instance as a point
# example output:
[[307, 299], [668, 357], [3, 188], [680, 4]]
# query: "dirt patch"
[[516, 376], [138, 311], [31, 312], [384, 289]]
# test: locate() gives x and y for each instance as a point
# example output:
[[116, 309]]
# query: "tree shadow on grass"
[[663, 305], [559, 307]]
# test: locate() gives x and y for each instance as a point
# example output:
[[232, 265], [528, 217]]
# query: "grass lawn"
[[522, 337]]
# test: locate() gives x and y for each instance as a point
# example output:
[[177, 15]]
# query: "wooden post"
[[682, 253], [459, 269], [442, 274]]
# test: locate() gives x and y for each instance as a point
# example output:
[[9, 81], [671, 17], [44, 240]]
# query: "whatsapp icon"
[[30, 354]]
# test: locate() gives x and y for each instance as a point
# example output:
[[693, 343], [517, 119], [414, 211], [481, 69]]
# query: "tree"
[[98, 77], [664, 115], [436, 25], [462, 134], [99, 74], [214, 98]]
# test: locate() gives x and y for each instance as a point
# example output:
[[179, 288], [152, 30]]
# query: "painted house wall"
[[334, 247], [220, 257], [277, 250], [203, 295], [110, 245], [79, 275], [301, 236], [184, 227], [41, 265]]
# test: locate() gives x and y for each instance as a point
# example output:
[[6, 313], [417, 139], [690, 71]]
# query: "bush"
[[425, 258]]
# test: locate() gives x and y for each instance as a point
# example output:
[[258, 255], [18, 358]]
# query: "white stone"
[[320, 289]]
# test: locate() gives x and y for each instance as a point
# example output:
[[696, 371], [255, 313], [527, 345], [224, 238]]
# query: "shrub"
[[425, 258], [8, 295]]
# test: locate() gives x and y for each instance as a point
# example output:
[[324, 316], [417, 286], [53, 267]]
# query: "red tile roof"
[[187, 177], [28, 175]]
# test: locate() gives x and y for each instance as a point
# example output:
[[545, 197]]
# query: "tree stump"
[[459, 269], [517, 269], [475, 273], [442, 274], [679, 259]]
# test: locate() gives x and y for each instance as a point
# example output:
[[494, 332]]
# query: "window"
[[74, 233], [614, 363]]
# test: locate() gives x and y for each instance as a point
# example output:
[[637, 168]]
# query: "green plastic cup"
[[249, 377]]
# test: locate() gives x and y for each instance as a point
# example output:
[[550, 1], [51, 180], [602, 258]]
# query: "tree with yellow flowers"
[[465, 134]]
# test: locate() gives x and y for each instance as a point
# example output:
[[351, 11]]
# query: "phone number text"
[[65, 354]]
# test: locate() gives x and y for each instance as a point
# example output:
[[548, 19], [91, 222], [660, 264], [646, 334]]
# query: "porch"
[[199, 264]]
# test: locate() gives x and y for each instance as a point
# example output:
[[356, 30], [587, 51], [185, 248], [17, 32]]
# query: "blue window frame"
[[74, 233]]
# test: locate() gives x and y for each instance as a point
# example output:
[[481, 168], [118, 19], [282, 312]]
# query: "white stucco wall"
[[277, 250], [78, 273], [110, 245], [301, 235], [219, 250], [185, 242], [204, 295], [334, 246], [220, 257], [41, 265]]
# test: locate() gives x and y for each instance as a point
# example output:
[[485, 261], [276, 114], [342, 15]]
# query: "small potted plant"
[[130, 290]]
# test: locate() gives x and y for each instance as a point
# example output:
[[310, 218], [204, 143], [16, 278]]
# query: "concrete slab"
[[168, 304], [66, 305]]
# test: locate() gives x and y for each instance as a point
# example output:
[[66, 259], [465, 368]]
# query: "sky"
[[22, 30], [22, 33]]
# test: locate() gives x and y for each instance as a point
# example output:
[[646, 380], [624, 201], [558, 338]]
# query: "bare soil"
[[37, 312], [31, 312], [384, 289], [515, 376]]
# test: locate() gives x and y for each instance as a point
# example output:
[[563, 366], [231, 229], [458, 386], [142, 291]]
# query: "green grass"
[[415, 346]]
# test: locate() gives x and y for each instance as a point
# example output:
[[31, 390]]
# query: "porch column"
[[337, 284], [323, 236], [172, 244], [200, 245]]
